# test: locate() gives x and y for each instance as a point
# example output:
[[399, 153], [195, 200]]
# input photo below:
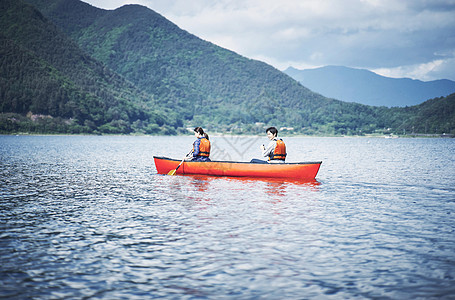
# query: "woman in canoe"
[[201, 147], [275, 150]]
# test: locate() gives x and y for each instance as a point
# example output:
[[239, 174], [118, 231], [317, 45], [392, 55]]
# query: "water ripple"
[[88, 217]]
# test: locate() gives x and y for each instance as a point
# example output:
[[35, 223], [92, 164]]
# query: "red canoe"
[[301, 170]]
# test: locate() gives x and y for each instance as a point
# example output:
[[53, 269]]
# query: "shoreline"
[[416, 135]]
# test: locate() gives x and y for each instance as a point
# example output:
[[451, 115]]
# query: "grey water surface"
[[88, 217]]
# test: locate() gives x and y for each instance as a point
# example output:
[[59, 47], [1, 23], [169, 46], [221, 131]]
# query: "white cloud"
[[418, 71], [404, 37], [111, 4], [437, 69]]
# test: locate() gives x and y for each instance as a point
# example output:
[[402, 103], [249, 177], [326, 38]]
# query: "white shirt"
[[270, 148]]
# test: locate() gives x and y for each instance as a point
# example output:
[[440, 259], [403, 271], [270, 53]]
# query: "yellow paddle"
[[172, 172]]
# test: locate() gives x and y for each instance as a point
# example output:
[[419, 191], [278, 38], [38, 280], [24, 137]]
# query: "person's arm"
[[196, 147], [269, 149], [189, 156]]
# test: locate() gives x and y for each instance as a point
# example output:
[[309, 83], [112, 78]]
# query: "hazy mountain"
[[366, 87]]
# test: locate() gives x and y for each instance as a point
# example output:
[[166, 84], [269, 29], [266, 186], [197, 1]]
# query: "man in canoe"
[[201, 147], [275, 150]]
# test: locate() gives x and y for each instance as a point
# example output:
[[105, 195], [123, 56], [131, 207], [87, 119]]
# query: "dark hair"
[[201, 132], [273, 130]]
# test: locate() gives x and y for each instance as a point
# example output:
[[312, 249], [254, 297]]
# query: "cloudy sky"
[[395, 38]]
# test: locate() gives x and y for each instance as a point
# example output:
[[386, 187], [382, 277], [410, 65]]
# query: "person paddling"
[[201, 147], [275, 150]]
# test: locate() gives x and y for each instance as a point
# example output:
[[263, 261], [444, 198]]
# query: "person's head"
[[272, 132], [199, 132]]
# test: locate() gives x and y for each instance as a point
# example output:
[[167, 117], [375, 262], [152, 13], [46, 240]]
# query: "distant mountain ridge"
[[366, 87]]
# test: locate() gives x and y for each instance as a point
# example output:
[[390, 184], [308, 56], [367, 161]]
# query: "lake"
[[88, 217]]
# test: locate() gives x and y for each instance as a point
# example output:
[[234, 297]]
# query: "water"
[[88, 217]]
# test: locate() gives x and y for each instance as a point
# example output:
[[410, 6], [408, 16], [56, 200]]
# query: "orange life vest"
[[280, 151], [204, 147]]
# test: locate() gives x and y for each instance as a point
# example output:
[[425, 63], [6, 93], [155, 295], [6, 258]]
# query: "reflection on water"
[[88, 217], [205, 186]]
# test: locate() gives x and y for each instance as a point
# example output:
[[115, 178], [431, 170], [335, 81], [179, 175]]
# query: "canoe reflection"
[[208, 178], [272, 185], [205, 190]]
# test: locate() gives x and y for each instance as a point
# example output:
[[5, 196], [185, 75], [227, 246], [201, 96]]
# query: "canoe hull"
[[305, 170]]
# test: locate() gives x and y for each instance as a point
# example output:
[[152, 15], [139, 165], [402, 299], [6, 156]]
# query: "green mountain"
[[46, 75], [131, 70], [434, 116], [205, 84]]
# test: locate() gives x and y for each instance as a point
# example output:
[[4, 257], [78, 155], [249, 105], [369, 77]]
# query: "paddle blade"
[[172, 172]]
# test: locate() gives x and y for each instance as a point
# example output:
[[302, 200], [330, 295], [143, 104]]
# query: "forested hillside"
[[206, 84], [435, 116], [85, 69], [44, 74]]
